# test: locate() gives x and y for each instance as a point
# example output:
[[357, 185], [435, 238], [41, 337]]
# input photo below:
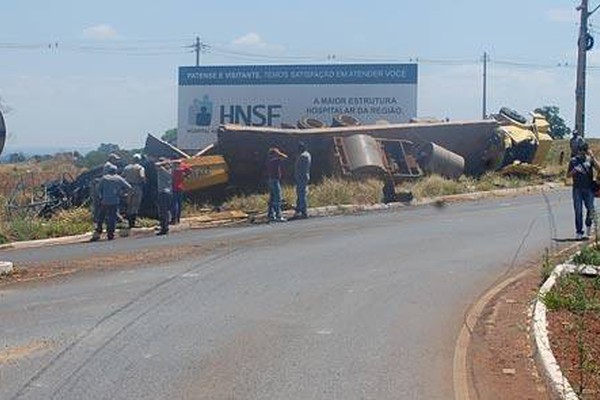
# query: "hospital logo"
[[200, 112]]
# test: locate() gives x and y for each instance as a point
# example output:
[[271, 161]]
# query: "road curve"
[[355, 307]]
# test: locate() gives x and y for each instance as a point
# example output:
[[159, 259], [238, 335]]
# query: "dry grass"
[[330, 191], [32, 173]]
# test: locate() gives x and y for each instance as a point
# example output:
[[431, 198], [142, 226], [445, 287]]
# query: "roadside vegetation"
[[574, 324]]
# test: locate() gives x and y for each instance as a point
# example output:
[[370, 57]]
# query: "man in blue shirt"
[[108, 192], [302, 177]]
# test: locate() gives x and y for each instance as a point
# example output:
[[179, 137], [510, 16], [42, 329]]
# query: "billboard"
[[272, 95]]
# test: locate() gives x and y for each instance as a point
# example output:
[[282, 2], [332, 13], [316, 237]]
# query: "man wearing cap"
[[135, 175], [117, 161], [274, 160], [109, 191], [302, 177], [164, 185], [581, 170]]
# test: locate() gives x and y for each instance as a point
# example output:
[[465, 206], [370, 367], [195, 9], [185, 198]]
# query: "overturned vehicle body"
[[391, 152], [401, 151]]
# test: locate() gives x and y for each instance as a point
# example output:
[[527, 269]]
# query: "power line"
[[167, 47]]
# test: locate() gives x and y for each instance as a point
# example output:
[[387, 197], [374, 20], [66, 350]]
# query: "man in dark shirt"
[[581, 170], [164, 185], [274, 161]]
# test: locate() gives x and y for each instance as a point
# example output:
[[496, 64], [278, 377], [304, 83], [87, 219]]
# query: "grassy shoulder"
[[334, 191], [574, 324]]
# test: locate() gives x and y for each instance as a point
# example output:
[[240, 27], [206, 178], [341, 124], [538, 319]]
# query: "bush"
[[64, 223], [587, 256]]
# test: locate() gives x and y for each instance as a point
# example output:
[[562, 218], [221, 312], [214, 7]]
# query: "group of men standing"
[[129, 181], [274, 162]]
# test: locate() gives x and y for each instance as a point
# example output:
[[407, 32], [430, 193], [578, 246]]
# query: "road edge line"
[[462, 387]]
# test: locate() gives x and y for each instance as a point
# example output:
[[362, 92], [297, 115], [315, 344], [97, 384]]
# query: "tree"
[[15, 158], [108, 148], [98, 156], [170, 136], [558, 128]]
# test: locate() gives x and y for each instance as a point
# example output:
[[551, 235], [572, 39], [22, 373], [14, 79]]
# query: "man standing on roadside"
[[302, 178], [180, 172], [274, 160], [135, 175], [164, 185], [581, 169], [109, 191]]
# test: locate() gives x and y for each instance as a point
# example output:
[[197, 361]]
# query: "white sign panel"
[[272, 95]]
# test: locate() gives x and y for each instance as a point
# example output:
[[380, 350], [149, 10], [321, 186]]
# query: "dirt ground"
[[579, 364], [36, 271], [501, 352]]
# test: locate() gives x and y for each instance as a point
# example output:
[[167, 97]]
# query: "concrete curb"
[[314, 212], [557, 383], [358, 208], [6, 267]]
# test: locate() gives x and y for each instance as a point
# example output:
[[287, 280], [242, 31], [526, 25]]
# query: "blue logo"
[[200, 112]]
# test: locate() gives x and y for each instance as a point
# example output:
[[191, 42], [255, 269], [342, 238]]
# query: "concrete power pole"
[[197, 48], [584, 44], [485, 60]]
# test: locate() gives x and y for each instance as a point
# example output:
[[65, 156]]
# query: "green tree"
[[170, 136], [15, 158], [558, 128], [108, 148], [98, 156]]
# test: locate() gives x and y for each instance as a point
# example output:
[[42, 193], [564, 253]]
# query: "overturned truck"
[[398, 150]]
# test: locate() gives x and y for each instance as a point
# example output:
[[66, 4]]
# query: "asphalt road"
[[353, 307]]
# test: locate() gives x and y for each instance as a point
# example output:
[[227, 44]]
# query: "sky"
[[74, 74]]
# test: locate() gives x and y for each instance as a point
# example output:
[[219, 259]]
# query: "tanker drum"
[[363, 155], [435, 159]]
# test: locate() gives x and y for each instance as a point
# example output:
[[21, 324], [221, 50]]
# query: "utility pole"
[[485, 60], [197, 49], [584, 44]]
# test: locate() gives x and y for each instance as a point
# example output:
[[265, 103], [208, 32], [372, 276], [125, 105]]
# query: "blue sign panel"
[[327, 74]]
